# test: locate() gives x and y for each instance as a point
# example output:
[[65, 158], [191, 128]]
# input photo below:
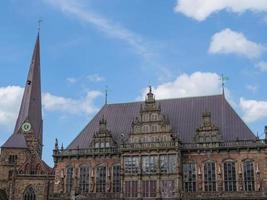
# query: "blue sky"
[[179, 47]]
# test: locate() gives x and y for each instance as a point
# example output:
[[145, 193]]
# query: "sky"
[[179, 47]]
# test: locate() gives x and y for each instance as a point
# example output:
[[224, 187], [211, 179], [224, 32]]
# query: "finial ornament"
[[39, 24], [150, 89], [106, 95]]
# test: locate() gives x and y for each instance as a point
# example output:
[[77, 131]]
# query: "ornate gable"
[[102, 138], [207, 132], [151, 125]]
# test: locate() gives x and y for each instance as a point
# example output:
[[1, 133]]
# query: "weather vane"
[[223, 79]]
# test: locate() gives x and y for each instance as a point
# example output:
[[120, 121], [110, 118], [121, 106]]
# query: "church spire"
[[30, 114]]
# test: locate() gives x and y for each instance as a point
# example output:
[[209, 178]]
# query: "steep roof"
[[31, 105], [185, 115]]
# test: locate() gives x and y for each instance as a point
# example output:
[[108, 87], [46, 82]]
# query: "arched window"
[[84, 179], [69, 181], [27, 169], [229, 176], [248, 176], [29, 194], [209, 176], [189, 176], [101, 178]]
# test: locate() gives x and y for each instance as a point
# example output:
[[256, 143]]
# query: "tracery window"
[[131, 188], [69, 181], [189, 177], [84, 179], [131, 164], [249, 183], [167, 188], [209, 176], [168, 163], [150, 164], [229, 176], [116, 178], [101, 179], [149, 188], [29, 194]]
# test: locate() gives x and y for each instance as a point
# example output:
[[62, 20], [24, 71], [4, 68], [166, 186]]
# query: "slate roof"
[[185, 115], [31, 105]]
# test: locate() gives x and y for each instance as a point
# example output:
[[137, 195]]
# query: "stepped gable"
[[185, 115]]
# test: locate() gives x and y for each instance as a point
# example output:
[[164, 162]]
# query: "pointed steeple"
[[31, 105]]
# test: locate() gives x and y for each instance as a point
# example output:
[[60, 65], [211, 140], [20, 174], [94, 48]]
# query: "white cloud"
[[201, 9], [72, 80], [186, 85], [252, 88], [10, 98], [231, 42], [253, 110], [262, 66], [112, 29], [95, 78], [85, 105]]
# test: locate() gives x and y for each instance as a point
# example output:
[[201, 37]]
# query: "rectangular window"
[[84, 179], [168, 163], [167, 188], [131, 188], [69, 180], [132, 165], [229, 176], [116, 178], [249, 176], [12, 159], [149, 164], [101, 179], [149, 188], [189, 177], [209, 177]]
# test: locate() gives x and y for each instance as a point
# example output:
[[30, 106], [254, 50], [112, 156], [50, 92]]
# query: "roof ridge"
[[167, 99]]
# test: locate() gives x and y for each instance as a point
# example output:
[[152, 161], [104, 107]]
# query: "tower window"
[[12, 159], [29, 194]]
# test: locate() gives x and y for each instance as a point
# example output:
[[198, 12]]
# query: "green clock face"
[[26, 126]]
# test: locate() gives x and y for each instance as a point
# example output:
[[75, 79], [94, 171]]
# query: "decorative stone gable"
[[103, 138], [207, 132], [151, 125]]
